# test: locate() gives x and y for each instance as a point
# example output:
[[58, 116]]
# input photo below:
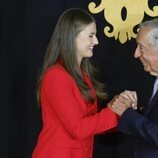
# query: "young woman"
[[68, 91]]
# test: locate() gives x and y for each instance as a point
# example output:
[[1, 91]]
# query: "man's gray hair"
[[153, 35]]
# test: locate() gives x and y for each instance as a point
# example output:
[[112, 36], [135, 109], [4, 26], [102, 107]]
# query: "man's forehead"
[[142, 36]]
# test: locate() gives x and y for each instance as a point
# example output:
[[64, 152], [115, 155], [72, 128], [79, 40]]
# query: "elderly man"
[[144, 125]]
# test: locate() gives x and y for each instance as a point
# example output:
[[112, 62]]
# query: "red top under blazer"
[[69, 122]]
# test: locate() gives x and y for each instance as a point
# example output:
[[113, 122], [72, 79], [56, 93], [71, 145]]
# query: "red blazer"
[[69, 122]]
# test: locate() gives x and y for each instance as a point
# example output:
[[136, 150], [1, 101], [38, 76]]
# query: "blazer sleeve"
[[133, 123], [58, 87]]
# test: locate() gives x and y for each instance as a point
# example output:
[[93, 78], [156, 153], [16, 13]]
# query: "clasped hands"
[[126, 99]]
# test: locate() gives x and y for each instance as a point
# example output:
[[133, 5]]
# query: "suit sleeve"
[[133, 123], [59, 90]]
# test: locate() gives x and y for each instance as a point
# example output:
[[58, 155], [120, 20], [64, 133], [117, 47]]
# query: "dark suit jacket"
[[144, 126]]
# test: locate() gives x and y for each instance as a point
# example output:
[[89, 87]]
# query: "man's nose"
[[137, 52]]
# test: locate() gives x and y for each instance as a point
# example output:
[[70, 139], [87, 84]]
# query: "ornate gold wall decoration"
[[122, 29]]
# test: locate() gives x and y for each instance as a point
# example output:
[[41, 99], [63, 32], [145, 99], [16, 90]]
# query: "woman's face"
[[85, 42]]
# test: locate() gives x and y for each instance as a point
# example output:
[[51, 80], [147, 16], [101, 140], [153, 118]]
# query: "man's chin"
[[153, 73], [146, 69]]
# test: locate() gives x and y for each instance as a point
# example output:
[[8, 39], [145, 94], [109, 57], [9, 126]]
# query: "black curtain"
[[25, 30]]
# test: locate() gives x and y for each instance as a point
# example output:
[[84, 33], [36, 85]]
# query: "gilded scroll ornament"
[[122, 29]]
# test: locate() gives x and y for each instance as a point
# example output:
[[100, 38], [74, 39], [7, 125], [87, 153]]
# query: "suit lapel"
[[151, 104]]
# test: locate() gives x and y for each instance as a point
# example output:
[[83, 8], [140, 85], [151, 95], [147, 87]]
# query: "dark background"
[[25, 30]]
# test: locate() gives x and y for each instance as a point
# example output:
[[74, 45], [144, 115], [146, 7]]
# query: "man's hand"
[[120, 103], [132, 95]]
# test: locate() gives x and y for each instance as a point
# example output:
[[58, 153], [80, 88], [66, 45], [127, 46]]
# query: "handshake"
[[127, 99]]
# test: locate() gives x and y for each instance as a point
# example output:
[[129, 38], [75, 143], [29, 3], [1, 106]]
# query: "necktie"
[[155, 88]]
